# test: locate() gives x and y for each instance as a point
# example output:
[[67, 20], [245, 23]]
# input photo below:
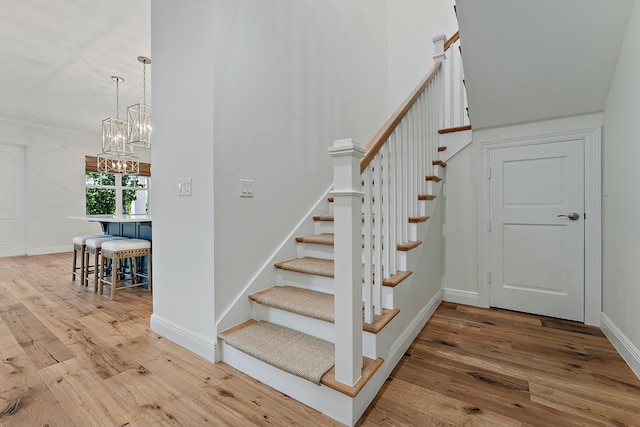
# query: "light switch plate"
[[246, 188], [184, 187]]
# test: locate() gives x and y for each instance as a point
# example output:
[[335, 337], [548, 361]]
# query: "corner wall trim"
[[625, 347], [459, 296], [192, 341]]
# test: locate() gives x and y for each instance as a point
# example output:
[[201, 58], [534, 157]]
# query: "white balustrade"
[[371, 218]]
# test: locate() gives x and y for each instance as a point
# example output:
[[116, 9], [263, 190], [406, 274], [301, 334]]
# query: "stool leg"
[[102, 274], [82, 255], [85, 273], [149, 271], [114, 277], [96, 269], [75, 263], [134, 275]]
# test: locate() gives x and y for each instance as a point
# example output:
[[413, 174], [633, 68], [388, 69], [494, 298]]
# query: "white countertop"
[[113, 218]]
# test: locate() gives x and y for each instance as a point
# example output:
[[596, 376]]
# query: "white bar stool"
[[79, 249], [124, 249], [92, 247]]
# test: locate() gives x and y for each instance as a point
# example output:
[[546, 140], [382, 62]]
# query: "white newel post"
[[439, 55], [347, 225]]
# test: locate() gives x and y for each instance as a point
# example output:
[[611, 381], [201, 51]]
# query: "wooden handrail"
[[454, 38], [376, 143]]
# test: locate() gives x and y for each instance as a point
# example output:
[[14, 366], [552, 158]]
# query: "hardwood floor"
[[474, 366], [71, 357]]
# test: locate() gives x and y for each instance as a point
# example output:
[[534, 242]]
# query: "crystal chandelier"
[[139, 115], [117, 156]]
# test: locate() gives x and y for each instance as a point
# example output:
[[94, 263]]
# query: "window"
[[108, 193]]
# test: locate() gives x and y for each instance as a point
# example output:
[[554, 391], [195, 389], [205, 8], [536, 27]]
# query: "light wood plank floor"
[[474, 366], [71, 357]]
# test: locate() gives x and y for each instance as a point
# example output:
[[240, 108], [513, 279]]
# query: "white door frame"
[[593, 224]]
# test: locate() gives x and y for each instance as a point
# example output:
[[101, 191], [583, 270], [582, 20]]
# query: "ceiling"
[[524, 60], [58, 57], [530, 60]]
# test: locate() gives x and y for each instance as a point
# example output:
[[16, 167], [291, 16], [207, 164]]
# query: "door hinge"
[[585, 215], [489, 224], [489, 276]]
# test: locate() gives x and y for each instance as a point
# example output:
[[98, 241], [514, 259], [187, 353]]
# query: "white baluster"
[[368, 247], [377, 233], [393, 202], [387, 245]]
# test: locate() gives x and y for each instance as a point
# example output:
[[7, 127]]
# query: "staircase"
[[336, 307]]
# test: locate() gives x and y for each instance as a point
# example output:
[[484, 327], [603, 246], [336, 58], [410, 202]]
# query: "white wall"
[[461, 213], [621, 227], [183, 234], [54, 184], [411, 26], [290, 77]]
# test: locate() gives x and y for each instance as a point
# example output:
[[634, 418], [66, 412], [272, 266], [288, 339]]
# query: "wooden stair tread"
[[454, 129], [426, 197], [433, 178], [308, 265], [397, 278], [222, 335], [418, 219], [369, 368], [318, 239], [325, 268], [327, 217], [440, 163], [442, 148], [328, 239], [407, 246], [317, 305]]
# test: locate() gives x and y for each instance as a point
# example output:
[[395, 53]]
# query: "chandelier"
[[139, 115], [117, 155]]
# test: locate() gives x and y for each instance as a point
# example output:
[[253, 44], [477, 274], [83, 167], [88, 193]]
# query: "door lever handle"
[[573, 216]]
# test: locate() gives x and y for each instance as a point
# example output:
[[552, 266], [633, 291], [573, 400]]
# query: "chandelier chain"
[[117, 98], [144, 83]]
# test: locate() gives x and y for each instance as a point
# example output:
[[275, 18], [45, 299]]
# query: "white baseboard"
[[459, 296], [625, 347], [52, 250], [412, 330], [192, 341]]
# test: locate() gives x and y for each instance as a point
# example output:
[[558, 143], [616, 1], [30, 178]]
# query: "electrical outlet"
[[246, 188]]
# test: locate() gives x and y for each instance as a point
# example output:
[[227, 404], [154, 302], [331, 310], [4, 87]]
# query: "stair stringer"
[[240, 309], [455, 142]]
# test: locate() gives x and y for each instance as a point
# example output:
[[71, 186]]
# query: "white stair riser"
[[322, 284], [315, 327], [305, 281], [320, 227], [314, 250], [323, 399]]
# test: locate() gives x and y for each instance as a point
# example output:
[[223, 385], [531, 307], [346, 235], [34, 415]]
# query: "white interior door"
[[536, 245], [12, 201]]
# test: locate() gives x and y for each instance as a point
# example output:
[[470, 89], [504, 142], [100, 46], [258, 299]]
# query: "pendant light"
[[139, 115], [117, 156]]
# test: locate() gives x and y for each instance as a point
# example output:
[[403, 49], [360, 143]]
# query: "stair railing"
[[376, 193]]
